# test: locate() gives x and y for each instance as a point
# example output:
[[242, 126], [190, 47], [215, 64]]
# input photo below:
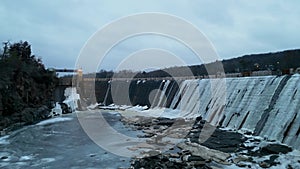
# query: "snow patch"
[[291, 159], [54, 120]]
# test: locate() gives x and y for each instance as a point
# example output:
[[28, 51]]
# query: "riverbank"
[[62, 142], [20, 119], [201, 145]]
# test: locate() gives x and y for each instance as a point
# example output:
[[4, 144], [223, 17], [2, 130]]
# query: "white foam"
[[138, 108], [155, 112], [110, 107], [26, 158], [124, 107], [4, 140], [54, 120]]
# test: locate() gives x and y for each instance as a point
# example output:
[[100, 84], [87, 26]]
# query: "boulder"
[[275, 149], [204, 152]]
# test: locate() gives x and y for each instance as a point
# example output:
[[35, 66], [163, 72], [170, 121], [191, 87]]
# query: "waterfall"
[[159, 95], [106, 93], [162, 99], [267, 105]]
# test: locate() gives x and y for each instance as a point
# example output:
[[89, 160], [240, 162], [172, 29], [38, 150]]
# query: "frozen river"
[[58, 143]]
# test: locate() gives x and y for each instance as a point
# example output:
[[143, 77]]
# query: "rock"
[[271, 149], [4, 157], [144, 145], [139, 128], [159, 161], [185, 157], [92, 155], [264, 164], [174, 155], [271, 162], [33, 115], [165, 121], [205, 153], [151, 153], [225, 141], [240, 158], [180, 121], [242, 165], [65, 108], [199, 163], [275, 149], [199, 118], [248, 133], [195, 158]]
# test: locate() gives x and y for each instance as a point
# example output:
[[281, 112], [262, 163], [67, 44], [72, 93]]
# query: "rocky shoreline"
[[26, 117], [221, 149]]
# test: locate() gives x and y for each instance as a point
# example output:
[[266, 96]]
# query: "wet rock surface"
[[225, 141], [222, 148], [26, 117]]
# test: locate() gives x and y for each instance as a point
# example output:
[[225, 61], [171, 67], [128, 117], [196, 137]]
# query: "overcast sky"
[[58, 29]]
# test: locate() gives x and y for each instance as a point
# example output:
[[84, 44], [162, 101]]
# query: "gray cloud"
[[58, 29]]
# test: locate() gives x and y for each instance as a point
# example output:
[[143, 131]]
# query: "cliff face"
[[26, 87]]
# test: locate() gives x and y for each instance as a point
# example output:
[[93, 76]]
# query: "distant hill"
[[267, 61], [283, 60], [278, 60]]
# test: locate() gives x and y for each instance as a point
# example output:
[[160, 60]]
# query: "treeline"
[[24, 83], [268, 61]]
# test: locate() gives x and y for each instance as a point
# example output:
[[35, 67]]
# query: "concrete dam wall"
[[269, 106]]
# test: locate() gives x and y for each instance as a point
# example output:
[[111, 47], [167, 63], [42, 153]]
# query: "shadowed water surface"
[[59, 143]]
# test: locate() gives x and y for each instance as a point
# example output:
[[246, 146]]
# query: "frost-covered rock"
[[72, 98], [56, 110]]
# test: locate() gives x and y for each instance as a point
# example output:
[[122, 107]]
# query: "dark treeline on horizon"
[[283, 60]]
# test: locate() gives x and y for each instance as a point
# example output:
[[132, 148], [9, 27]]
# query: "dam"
[[267, 106]]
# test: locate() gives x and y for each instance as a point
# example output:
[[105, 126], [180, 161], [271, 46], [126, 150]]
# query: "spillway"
[[269, 106]]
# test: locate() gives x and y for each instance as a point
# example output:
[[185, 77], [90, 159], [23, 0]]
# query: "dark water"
[[62, 144]]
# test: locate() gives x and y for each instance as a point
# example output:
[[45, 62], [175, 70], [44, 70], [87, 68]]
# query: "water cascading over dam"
[[269, 106]]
